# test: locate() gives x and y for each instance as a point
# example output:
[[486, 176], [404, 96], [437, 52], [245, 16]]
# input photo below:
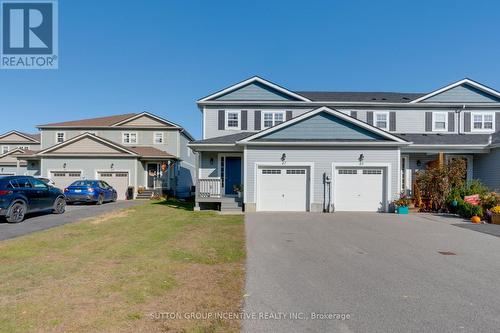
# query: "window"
[[296, 172], [232, 120], [372, 172], [271, 119], [129, 137], [5, 149], [38, 183], [381, 120], [60, 137], [348, 172], [439, 121], [482, 121], [158, 138], [271, 172], [23, 147]]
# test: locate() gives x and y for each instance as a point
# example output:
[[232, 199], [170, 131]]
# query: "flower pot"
[[402, 209], [495, 218]]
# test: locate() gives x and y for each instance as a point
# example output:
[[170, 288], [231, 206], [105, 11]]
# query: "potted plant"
[[238, 188], [402, 204], [495, 217], [140, 189]]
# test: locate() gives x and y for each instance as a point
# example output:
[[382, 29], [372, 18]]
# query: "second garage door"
[[283, 189], [63, 179], [119, 181], [359, 189]]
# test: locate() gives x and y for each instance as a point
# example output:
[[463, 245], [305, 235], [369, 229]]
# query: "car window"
[[104, 184], [37, 183], [13, 184], [82, 183], [24, 183]]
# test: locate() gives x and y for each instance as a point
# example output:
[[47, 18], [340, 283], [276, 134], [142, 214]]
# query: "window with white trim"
[[60, 137], [271, 119], [483, 121], [381, 120], [439, 121], [233, 120], [23, 147], [129, 137], [158, 138], [5, 149]]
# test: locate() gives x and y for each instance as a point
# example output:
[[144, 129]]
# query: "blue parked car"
[[20, 195], [96, 191]]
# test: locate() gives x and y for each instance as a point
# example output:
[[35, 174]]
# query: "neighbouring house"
[[128, 150], [284, 150], [16, 143]]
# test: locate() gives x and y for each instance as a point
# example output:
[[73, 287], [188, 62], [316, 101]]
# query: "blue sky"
[[161, 56]]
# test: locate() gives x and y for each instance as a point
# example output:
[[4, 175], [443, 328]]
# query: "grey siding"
[[186, 172], [487, 169], [12, 170], [463, 94], [13, 146], [322, 159], [255, 92], [208, 169]]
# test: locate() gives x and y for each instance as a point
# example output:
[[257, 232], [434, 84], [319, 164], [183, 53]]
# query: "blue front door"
[[233, 174]]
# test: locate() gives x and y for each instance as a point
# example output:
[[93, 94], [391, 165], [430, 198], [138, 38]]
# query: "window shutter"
[[354, 114], [497, 121], [289, 115], [222, 120], [369, 117], [466, 121], [428, 121], [451, 121], [244, 120], [257, 121], [392, 121]]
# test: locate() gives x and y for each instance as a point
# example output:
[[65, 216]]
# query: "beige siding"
[[15, 138], [144, 121], [87, 146]]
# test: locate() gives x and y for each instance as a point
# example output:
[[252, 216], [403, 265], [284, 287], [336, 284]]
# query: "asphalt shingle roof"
[[446, 139], [101, 121], [495, 138], [225, 139], [339, 96]]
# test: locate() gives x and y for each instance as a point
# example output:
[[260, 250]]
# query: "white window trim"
[[5, 151], [262, 120], [482, 113], [130, 143], [233, 128], [386, 113], [445, 129], [57, 135], [162, 138]]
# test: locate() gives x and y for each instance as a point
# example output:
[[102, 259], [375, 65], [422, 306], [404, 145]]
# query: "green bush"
[[466, 210], [490, 200]]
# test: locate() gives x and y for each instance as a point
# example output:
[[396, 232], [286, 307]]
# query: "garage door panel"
[[118, 180], [358, 189], [63, 179]]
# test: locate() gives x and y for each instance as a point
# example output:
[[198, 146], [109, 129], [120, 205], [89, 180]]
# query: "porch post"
[[441, 159]]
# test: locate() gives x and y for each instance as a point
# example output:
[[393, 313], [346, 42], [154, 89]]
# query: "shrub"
[[489, 200], [496, 210], [467, 210]]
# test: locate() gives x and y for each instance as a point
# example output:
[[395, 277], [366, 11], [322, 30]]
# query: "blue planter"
[[402, 210]]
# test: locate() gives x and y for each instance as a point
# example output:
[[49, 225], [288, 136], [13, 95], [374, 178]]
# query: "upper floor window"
[[23, 147], [483, 121], [381, 120], [5, 149], [158, 138], [232, 120], [271, 119], [60, 137], [129, 137], [439, 121]]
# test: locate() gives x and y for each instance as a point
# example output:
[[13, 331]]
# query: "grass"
[[124, 271]]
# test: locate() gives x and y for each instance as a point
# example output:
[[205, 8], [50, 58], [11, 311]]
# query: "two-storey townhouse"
[[128, 150], [16, 143], [338, 151]]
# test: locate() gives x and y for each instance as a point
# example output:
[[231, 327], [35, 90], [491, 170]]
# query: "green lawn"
[[117, 272]]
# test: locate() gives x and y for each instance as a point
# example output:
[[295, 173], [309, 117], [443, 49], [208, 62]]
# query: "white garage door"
[[283, 189], [64, 179], [358, 189], [119, 181]]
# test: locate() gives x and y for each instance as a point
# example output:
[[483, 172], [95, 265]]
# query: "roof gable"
[[17, 137], [255, 89], [87, 144], [10, 158], [145, 120], [464, 91]]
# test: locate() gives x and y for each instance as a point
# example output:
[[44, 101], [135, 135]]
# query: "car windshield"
[[83, 183]]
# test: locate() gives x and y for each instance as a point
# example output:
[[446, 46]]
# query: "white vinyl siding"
[[440, 121]]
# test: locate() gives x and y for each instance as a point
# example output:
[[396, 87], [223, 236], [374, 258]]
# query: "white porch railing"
[[209, 188]]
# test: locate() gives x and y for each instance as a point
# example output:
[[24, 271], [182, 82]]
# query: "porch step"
[[145, 195], [230, 204]]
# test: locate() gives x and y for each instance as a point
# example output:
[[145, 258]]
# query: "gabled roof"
[[13, 151], [254, 79], [339, 96], [148, 115], [446, 139], [35, 138], [225, 139], [342, 116], [465, 81]]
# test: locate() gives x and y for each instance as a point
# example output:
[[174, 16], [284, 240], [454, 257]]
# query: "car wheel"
[[17, 212], [59, 206], [100, 200]]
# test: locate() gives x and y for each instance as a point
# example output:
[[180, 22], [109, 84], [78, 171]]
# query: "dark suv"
[[20, 195]]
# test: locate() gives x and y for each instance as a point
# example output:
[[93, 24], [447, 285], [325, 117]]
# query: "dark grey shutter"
[[354, 114], [466, 121], [244, 120], [289, 115], [256, 124], [428, 121], [497, 121], [451, 121], [222, 119], [369, 117], [392, 121]]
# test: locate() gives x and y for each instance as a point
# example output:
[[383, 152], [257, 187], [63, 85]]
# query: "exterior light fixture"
[[361, 158], [283, 158], [211, 161], [419, 163], [112, 166], [64, 165]]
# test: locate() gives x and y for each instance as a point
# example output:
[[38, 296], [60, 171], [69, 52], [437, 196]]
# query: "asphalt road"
[[42, 221], [383, 270]]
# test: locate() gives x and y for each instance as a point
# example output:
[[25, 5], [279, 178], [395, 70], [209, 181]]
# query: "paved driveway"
[[73, 213], [383, 270]]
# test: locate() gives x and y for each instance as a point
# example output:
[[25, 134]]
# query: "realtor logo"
[[29, 35]]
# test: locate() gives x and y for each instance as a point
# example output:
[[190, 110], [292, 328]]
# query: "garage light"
[[361, 158], [64, 165], [112, 166], [283, 158]]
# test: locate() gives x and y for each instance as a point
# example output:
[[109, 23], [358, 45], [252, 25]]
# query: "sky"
[[161, 56]]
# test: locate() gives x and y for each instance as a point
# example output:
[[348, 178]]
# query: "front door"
[[152, 173], [233, 174]]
